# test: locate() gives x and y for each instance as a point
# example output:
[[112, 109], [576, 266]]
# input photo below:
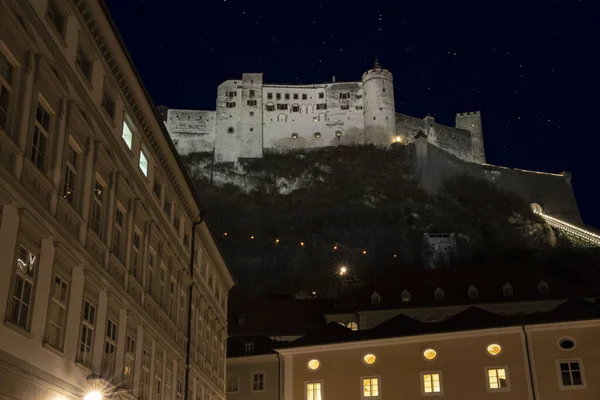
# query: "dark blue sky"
[[530, 66]]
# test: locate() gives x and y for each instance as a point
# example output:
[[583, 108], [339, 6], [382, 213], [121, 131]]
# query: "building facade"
[[111, 282], [253, 117]]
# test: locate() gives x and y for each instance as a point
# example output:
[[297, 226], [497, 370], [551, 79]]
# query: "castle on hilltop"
[[253, 117]]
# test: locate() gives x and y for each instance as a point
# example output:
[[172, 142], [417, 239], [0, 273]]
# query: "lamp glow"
[[93, 396], [343, 270], [398, 139]]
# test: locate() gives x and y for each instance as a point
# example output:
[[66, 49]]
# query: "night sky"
[[530, 66]]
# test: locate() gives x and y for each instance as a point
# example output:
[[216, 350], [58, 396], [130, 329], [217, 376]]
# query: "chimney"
[[333, 79]]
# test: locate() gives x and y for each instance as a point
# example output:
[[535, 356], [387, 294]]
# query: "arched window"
[[281, 118], [230, 129], [473, 292], [353, 326], [375, 298], [507, 289], [543, 287], [405, 295], [439, 294]]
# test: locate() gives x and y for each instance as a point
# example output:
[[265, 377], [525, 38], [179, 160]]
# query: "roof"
[[236, 345], [473, 318]]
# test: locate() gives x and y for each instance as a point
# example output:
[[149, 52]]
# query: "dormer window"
[[439, 294], [405, 295], [375, 298], [507, 289], [241, 320], [473, 292], [249, 347], [543, 287]]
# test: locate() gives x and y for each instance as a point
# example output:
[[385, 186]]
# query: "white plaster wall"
[[226, 143], [192, 131], [250, 127], [380, 118]]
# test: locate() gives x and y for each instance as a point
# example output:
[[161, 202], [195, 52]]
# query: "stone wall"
[[192, 131]]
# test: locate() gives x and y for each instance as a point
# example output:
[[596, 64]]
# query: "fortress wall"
[[407, 127], [455, 141], [192, 131], [228, 120], [552, 191], [280, 125]]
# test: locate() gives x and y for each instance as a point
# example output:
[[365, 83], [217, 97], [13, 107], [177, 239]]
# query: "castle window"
[[287, 96], [507, 289], [270, 107], [384, 89], [338, 134], [252, 93], [317, 135], [230, 104], [405, 295], [295, 108], [270, 96], [359, 96], [294, 136], [322, 106], [230, 129], [304, 96], [278, 96], [295, 96], [359, 107], [321, 95], [345, 107], [251, 103], [282, 106], [252, 113], [251, 129]]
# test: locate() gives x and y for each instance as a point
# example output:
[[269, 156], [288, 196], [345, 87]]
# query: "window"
[[369, 359], [317, 135], [258, 381], [233, 383], [110, 346], [108, 104], [429, 354], [129, 362], [571, 374], [57, 313], [270, 107], [507, 289], [41, 131], [282, 106], [294, 136], [252, 113], [251, 129], [150, 275], [352, 326], [304, 97], [181, 314], [54, 16], [162, 279], [145, 377], [322, 106], [127, 135], [287, 96], [143, 163], [295, 96], [439, 294], [6, 74], [97, 205], [295, 108], [543, 287], [370, 386], [83, 64], [493, 349], [473, 292], [359, 107], [252, 93], [157, 189], [230, 104], [278, 96], [497, 379], [432, 383], [249, 348], [135, 256], [405, 296], [314, 391], [25, 275], [313, 364], [88, 322], [167, 208], [230, 129], [566, 343], [252, 103], [168, 384], [158, 369], [359, 96], [70, 174], [231, 94], [118, 233], [321, 95], [269, 96], [345, 107]]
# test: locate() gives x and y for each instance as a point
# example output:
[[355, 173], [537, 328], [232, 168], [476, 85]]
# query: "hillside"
[[290, 220]]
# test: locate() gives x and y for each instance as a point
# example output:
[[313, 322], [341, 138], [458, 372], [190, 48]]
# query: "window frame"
[[362, 386], [127, 139], [157, 382], [237, 383], [110, 342], [59, 303], [9, 86], [129, 356], [581, 371], [145, 378], [264, 379], [321, 389], [38, 128], [72, 171], [135, 267], [144, 162], [487, 379], [433, 393], [90, 327], [119, 232], [26, 278], [99, 202]]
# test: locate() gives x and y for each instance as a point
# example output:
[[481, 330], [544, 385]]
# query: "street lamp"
[[343, 270], [94, 395]]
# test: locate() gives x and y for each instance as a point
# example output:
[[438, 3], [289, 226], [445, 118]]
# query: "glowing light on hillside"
[[398, 139], [343, 270], [225, 234], [276, 241], [364, 252], [302, 244], [252, 237]]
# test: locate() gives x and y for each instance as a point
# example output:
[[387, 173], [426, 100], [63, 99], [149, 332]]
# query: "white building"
[[253, 117], [106, 267]]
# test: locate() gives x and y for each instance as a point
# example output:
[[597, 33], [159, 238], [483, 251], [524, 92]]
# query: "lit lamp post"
[[343, 271], [94, 395]]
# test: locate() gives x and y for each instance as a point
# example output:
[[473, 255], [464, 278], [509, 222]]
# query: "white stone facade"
[[253, 117], [101, 239]]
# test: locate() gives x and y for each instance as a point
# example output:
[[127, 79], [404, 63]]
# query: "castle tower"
[[379, 108], [471, 121]]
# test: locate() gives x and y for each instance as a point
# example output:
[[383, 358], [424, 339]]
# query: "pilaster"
[[121, 339], [42, 290], [58, 149], [137, 371], [88, 182], [9, 231], [74, 313], [24, 116], [152, 361], [100, 332], [110, 207]]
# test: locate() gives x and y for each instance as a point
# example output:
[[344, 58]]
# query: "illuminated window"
[[127, 135], [129, 362], [294, 136], [86, 338], [314, 390], [313, 364], [258, 381], [317, 134], [6, 74], [497, 379], [370, 387], [370, 359], [571, 374], [233, 383], [429, 354], [143, 163], [352, 326], [432, 383], [405, 295], [338, 134], [110, 348], [24, 282], [57, 314], [494, 349], [41, 131]]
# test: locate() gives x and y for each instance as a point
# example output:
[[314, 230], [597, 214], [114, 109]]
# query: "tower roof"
[[376, 65]]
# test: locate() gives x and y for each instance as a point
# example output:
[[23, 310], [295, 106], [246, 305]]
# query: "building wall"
[[471, 122], [227, 135], [117, 235], [251, 117], [244, 367], [380, 110], [192, 131]]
